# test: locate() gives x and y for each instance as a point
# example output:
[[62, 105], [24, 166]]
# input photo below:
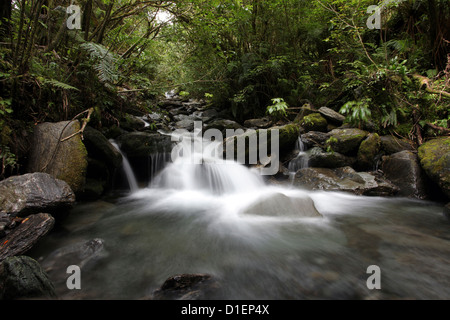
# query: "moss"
[[368, 150], [314, 122]]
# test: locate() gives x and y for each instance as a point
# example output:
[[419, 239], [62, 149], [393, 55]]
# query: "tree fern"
[[105, 62], [58, 84]]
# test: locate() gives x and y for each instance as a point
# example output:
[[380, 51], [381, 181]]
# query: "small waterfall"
[[127, 169], [302, 159], [199, 166]]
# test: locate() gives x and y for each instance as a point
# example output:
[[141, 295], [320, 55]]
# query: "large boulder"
[[434, 157], [34, 193], [143, 144], [346, 141], [23, 278], [391, 145], [343, 179], [64, 160], [403, 169], [332, 116]]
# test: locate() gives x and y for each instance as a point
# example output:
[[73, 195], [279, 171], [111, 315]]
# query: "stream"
[[225, 220]]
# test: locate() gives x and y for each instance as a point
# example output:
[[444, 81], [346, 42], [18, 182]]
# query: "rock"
[[403, 169], [66, 160], [23, 278], [278, 204], [318, 158], [33, 193], [435, 160], [223, 125], [262, 123], [391, 145], [98, 147], [85, 254], [447, 211], [315, 139], [346, 141], [287, 138], [314, 122], [186, 124], [368, 152], [187, 287], [332, 116], [305, 110], [132, 123], [143, 144], [343, 179], [26, 235]]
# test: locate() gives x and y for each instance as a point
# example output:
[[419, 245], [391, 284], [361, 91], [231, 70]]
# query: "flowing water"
[[222, 219]]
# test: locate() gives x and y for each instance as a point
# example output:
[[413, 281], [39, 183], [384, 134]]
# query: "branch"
[[424, 81]]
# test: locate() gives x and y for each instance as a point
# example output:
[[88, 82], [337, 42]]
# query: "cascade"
[[131, 179]]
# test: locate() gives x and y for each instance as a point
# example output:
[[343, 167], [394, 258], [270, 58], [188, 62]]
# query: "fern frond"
[[105, 62], [58, 84]]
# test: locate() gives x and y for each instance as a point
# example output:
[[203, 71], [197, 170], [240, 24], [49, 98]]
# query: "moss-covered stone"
[[64, 160], [368, 152], [346, 141], [314, 122], [434, 158]]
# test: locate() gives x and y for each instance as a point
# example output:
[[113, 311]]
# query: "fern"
[[105, 63], [58, 84]]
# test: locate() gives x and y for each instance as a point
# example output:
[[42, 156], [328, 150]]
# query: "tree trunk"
[[5, 17]]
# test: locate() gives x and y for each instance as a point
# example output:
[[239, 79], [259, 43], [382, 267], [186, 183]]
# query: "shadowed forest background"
[[249, 57]]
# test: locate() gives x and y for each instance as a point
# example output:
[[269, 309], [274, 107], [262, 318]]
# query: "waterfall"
[[302, 159], [199, 166], [127, 169]]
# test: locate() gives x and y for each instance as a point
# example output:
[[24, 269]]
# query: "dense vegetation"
[[247, 56]]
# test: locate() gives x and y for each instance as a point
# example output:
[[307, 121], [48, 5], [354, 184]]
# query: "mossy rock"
[[434, 158], [314, 122], [346, 141], [64, 160], [368, 152]]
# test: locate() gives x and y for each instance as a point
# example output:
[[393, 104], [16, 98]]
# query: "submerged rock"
[[33, 193], [187, 287], [435, 160], [64, 160], [23, 278], [278, 204], [343, 179]]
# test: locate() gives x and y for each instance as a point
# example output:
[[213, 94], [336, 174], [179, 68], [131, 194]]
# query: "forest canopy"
[[245, 56]]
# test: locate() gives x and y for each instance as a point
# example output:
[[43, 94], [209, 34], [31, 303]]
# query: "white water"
[[221, 218]]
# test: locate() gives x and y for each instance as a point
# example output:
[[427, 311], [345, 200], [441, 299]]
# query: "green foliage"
[[357, 112], [278, 109]]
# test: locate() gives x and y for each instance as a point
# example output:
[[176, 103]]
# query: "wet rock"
[[278, 204], [23, 278], [315, 139], [391, 145], [314, 122], [65, 160], [33, 193], [321, 159], [100, 148], [187, 287], [434, 158], [143, 144], [343, 179], [403, 169], [346, 141], [23, 237], [223, 125], [368, 152], [332, 116], [132, 123]]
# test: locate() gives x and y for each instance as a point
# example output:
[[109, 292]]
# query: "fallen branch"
[[83, 126]]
